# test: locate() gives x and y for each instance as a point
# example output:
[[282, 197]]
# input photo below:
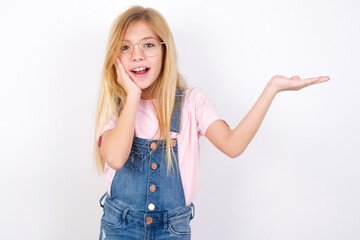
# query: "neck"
[[145, 94]]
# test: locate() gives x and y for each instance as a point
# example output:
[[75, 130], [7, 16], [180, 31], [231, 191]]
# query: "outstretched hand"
[[281, 83], [125, 80]]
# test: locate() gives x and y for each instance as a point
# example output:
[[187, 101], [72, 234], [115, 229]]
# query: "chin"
[[143, 84]]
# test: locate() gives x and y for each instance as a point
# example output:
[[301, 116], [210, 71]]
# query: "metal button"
[[151, 207], [149, 220], [173, 142], [153, 146], [152, 188], [153, 166]]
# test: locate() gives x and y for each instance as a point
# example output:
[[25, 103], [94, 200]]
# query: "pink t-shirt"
[[198, 113]]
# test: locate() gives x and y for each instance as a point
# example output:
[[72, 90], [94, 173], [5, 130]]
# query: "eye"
[[148, 45], [125, 47]]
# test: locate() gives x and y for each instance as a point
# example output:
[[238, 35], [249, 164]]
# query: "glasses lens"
[[150, 47], [125, 49]]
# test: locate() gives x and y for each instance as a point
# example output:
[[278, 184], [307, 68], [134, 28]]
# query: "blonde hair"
[[112, 97]]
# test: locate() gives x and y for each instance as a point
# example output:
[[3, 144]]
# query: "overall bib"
[[145, 202]]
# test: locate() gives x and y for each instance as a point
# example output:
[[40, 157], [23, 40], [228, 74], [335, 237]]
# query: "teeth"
[[138, 69]]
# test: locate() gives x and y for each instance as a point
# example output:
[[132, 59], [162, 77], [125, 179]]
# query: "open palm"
[[282, 83]]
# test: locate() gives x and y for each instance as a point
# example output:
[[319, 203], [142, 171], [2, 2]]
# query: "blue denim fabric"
[[126, 211]]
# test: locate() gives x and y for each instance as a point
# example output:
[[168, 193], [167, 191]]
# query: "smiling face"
[[135, 62]]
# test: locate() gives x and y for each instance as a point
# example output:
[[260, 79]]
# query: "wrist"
[[134, 96], [272, 88]]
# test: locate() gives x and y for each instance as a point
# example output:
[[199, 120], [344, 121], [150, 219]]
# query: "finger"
[[321, 78], [295, 77], [310, 79], [314, 80], [307, 82], [124, 73], [119, 70], [118, 62], [324, 78], [117, 65], [122, 69]]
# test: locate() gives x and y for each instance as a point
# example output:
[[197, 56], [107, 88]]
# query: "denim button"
[[153, 166], [152, 188], [153, 146], [149, 220], [151, 206], [173, 142]]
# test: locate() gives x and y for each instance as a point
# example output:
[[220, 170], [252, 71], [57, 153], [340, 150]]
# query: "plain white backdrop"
[[298, 179]]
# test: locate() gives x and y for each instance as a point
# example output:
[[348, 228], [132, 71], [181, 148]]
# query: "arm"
[[234, 142], [116, 142]]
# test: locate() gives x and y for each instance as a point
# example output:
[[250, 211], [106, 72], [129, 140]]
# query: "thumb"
[[295, 77]]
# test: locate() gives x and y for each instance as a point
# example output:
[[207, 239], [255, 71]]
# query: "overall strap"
[[176, 115]]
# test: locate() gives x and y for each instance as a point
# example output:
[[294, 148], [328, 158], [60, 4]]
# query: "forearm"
[[241, 136], [119, 140]]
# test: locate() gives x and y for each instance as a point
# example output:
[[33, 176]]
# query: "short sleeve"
[[109, 125], [205, 111]]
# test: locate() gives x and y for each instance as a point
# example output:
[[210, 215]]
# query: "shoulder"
[[195, 97], [194, 91]]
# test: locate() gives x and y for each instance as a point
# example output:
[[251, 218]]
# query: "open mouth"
[[140, 72]]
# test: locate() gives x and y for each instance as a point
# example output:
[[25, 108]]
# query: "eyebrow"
[[126, 40]]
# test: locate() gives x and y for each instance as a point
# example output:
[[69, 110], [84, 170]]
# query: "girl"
[[148, 124]]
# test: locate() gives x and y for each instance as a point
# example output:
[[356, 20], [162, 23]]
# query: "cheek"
[[125, 63], [156, 67], [158, 63]]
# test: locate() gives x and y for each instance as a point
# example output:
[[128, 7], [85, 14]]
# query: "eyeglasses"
[[150, 47]]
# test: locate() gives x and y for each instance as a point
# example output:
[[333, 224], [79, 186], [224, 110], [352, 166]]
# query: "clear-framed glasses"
[[150, 47]]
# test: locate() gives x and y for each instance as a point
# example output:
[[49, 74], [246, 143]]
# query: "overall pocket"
[[180, 225], [135, 162], [112, 217]]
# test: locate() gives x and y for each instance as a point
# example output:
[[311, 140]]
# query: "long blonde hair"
[[112, 97]]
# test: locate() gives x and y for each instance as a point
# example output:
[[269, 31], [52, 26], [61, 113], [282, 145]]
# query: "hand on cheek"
[[125, 80]]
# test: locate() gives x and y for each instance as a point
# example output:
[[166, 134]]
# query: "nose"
[[137, 54]]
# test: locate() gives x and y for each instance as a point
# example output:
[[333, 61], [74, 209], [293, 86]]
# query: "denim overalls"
[[145, 203]]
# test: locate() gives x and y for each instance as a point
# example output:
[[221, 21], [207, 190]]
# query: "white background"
[[299, 177]]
